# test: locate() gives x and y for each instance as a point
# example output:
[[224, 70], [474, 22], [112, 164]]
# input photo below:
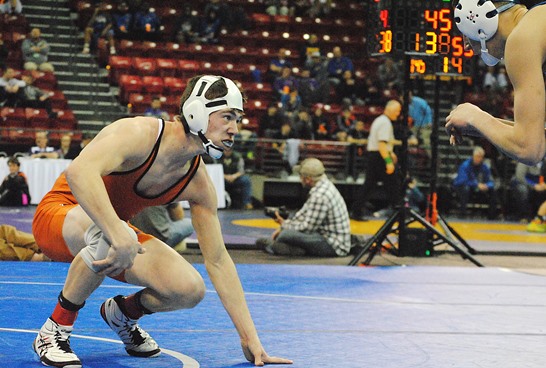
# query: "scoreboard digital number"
[[416, 27]]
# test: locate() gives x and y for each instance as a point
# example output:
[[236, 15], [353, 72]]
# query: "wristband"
[[388, 160]]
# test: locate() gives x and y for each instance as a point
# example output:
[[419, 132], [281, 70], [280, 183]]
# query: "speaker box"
[[415, 243]]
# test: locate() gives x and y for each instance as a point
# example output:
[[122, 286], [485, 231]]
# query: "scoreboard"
[[422, 28]]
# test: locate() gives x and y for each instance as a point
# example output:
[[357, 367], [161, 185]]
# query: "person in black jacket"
[[14, 188]]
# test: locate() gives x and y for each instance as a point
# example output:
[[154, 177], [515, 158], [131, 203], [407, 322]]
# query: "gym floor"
[[437, 311]]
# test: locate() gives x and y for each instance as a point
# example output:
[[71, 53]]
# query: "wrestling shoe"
[[53, 346], [137, 341], [537, 226]]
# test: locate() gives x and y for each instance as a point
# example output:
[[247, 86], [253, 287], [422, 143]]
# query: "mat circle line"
[[187, 361]]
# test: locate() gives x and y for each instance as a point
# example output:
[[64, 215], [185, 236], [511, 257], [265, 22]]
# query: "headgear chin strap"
[[211, 149], [479, 21], [197, 108]]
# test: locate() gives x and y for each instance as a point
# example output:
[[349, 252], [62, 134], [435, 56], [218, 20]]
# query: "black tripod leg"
[[446, 240], [377, 239], [445, 225]]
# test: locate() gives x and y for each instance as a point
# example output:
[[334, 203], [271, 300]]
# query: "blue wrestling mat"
[[319, 316]]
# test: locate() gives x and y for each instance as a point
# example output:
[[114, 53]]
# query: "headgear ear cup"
[[196, 116]]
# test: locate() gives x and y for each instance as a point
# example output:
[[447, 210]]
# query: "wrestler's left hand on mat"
[[120, 257], [257, 355]]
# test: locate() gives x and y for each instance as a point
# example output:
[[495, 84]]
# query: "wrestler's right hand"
[[120, 257]]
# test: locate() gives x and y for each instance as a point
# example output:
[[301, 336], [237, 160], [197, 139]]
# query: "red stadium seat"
[[37, 118], [129, 84], [65, 120], [13, 117], [166, 67], [188, 68], [58, 99], [171, 104], [44, 80], [129, 48], [173, 86], [145, 66], [119, 65], [139, 102], [152, 85]]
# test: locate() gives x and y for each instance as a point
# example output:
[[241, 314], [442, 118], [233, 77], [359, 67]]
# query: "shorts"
[[47, 227]]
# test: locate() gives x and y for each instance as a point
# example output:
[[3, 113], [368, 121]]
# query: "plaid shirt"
[[324, 212]]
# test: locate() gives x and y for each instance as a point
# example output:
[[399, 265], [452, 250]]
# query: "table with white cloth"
[[41, 175]]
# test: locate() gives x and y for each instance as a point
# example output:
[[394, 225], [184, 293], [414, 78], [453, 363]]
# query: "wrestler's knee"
[[187, 293]]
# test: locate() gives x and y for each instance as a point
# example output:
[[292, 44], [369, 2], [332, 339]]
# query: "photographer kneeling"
[[321, 227]]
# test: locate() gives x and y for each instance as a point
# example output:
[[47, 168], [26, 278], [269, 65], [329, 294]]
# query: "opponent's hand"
[[256, 354], [458, 122]]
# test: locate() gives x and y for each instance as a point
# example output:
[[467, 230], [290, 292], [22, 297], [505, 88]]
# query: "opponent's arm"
[[221, 268]]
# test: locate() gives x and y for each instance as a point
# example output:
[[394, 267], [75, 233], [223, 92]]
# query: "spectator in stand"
[[209, 30], [42, 149], [221, 10], [312, 45], [321, 228], [421, 116], [287, 151], [35, 97], [323, 128], [338, 65], [11, 7], [238, 184], [277, 7], [291, 104], [348, 91], [490, 79], [66, 151], [320, 8], [187, 26], [167, 223], [16, 245], [389, 75], [35, 50], [317, 67], [312, 90], [147, 24], [346, 119], [11, 89], [303, 125], [99, 26], [474, 176], [14, 188], [372, 92], [271, 121], [284, 83], [73, 153], [528, 189], [155, 109], [358, 134], [502, 79], [122, 21], [277, 64], [382, 160], [4, 52], [538, 225]]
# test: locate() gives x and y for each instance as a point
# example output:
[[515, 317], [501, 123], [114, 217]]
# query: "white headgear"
[[479, 21], [197, 108]]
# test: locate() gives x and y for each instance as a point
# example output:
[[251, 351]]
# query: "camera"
[[270, 212]]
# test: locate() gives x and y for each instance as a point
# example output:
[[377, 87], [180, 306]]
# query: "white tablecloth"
[[42, 173]]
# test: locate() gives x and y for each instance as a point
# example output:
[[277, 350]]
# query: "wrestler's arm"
[[220, 266], [120, 146], [524, 138]]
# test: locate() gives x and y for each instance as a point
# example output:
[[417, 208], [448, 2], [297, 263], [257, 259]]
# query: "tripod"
[[404, 215]]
